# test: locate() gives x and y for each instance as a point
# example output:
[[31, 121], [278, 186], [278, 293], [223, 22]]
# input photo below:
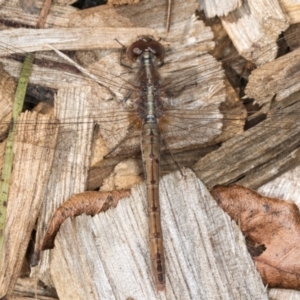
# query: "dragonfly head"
[[146, 43]]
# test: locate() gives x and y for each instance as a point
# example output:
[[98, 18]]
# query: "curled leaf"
[[90, 203], [272, 230]]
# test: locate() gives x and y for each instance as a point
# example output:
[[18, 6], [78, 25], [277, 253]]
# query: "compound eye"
[[145, 44], [157, 49], [136, 49]]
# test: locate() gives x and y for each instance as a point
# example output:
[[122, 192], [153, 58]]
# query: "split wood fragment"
[[113, 246]]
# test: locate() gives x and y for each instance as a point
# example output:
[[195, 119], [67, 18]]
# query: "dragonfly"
[[187, 123], [146, 50]]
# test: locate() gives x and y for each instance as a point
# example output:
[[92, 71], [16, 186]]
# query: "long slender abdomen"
[[150, 146]]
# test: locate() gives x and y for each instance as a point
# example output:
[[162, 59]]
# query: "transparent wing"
[[198, 110]]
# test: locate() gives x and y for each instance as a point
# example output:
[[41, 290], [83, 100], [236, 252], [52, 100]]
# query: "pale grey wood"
[[218, 8], [33, 148], [281, 294], [30, 40], [71, 161], [254, 26], [107, 256]]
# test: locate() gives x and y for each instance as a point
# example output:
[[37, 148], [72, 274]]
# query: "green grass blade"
[[8, 155]]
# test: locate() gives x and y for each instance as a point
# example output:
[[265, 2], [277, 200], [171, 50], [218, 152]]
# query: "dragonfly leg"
[[122, 54], [126, 97]]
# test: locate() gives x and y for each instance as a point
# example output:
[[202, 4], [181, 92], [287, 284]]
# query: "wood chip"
[[252, 30], [103, 255], [89, 203], [71, 161], [34, 152], [257, 146]]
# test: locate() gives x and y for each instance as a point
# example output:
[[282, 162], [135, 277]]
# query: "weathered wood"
[[7, 88], [283, 294], [278, 79], [150, 14], [216, 8], [33, 160], [13, 12], [273, 168], [256, 147], [252, 30], [103, 171], [8, 158], [30, 40], [70, 163], [195, 229]]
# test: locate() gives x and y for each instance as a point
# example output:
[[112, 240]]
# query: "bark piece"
[[89, 203], [273, 228]]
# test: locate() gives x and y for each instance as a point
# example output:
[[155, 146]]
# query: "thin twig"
[[169, 15], [44, 14]]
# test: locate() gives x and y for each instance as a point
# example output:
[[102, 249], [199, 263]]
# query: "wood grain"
[[113, 260], [33, 160]]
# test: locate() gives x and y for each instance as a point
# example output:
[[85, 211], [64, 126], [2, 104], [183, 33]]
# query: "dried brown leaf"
[[272, 230], [90, 203]]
